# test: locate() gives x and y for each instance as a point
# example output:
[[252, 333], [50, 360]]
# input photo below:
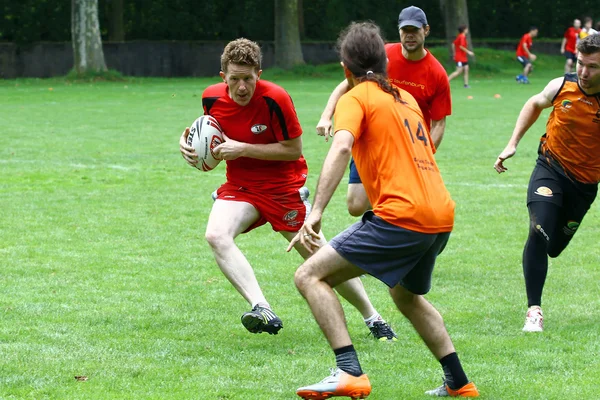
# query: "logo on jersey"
[[586, 101], [258, 128], [544, 191], [566, 104], [571, 228], [291, 215]]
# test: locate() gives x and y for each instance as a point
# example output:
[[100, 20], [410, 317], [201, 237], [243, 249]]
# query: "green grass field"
[[105, 273]]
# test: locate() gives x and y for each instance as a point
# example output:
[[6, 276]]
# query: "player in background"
[[587, 29], [383, 128], [524, 55], [567, 46], [460, 55], [564, 182], [265, 173], [412, 68]]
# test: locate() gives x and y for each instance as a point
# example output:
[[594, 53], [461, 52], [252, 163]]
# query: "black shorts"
[[392, 254], [353, 177], [550, 183], [460, 64], [570, 56], [523, 60]]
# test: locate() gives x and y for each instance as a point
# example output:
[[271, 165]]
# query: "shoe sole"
[[354, 394], [255, 324]]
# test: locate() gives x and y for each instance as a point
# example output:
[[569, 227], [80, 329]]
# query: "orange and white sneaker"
[[469, 390], [339, 383], [534, 320]]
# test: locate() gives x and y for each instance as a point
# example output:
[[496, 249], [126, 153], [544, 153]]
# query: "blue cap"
[[412, 16]]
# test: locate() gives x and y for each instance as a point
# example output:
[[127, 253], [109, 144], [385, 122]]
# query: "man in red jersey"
[[567, 46], [524, 55], [412, 68], [265, 172], [460, 55]]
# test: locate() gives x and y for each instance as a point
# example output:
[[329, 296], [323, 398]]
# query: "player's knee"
[[302, 278], [217, 239]]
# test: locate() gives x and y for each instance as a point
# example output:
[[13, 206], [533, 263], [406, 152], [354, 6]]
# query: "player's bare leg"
[[354, 292], [226, 221]]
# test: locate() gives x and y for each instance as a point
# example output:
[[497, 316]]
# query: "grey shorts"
[[392, 254]]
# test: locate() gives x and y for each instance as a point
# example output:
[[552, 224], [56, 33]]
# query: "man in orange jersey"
[[565, 179], [412, 68], [524, 55], [460, 55], [397, 242], [567, 46]]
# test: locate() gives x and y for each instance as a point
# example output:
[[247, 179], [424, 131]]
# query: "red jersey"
[[459, 54], [270, 117], [528, 42], [425, 79], [571, 35]]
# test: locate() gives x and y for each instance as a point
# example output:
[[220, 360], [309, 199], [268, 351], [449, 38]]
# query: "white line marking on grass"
[[71, 165], [487, 185]]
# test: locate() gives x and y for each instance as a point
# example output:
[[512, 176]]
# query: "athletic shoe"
[[525, 80], [534, 320], [262, 319], [469, 390], [467, 87], [339, 383], [383, 332], [519, 78]]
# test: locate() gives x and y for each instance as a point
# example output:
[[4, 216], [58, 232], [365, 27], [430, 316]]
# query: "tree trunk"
[[116, 31], [288, 50], [301, 19], [455, 13], [85, 33]]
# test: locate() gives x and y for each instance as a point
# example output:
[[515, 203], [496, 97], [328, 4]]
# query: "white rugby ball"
[[205, 134]]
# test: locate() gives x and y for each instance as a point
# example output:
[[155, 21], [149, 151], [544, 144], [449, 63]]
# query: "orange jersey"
[[394, 157], [573, 131]]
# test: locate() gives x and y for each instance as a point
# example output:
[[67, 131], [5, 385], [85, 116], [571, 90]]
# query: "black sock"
[[347, 360], [535, 267], [454, 375]]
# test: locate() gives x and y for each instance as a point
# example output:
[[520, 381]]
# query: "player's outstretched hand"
[[507, 153], [308, 235], [229, 150], [188, 152], [324, 128]]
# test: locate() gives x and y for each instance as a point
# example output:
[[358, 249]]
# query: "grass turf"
[[105, 273]]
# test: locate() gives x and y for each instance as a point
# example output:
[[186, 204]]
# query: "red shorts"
[[284, 211]]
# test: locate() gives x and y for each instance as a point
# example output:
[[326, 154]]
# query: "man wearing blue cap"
[[412, 68]]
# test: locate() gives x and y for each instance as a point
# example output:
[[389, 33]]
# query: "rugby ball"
[[205, 134]]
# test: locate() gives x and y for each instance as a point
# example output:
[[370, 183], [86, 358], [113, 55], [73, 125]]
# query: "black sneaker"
[[383, 332], [262, 319]]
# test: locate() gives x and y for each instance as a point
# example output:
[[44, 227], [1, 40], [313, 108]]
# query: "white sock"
[[373, 318], [262, 304]]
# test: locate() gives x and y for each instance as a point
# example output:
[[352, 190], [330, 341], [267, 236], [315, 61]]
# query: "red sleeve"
[[567, 32], [284, 118], [441, 106]]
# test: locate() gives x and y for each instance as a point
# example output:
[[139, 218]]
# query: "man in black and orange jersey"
[[265, 173], [397, 242], [565, 179]]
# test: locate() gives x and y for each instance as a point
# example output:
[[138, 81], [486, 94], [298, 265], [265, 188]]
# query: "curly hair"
[[362, 51], [589, 45], [241, 51]]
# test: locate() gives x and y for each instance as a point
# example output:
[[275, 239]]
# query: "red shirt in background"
[[525, 40], [459, 54], [571, 35], [425, 79]]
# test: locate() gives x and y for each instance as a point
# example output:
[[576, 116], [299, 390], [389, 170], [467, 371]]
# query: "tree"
[[288, 50], [88, 55], [116, 31], [455, 13]]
